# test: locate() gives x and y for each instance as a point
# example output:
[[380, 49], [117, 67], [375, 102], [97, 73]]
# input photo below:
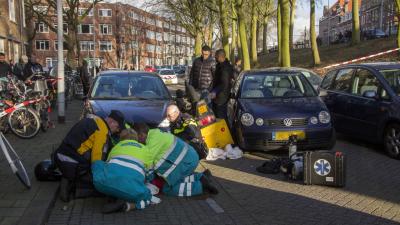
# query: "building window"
[[150, 21], [166, 25], [56, 45], [106, 29], [133, 44], [16, 52], [43, 28], [87, 45], [150, 34], [105, 12], [43, 45], [49, 62], [1, 45], [159, 23], [159, 36], [11, 9], [158, 49], [166, 37], [105, 46], [150, 48], [85, 29], [83, 10], [65, 27], [40, 8]]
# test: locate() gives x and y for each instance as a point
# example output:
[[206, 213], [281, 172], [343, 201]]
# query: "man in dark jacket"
[[84, 74], [202, 73], [222, 84], [5, 68], [32, 67]]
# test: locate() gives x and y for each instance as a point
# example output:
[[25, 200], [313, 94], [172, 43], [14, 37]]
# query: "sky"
[[301, 20]]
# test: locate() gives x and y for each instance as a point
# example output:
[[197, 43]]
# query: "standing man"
[[85, 77], [18, 69], [202, 73], [222, 84], [5, 68], [86, 142], [175, 161], [32, 67]]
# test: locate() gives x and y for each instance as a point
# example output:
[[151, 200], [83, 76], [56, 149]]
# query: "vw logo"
[[322, 167], [287, 122]]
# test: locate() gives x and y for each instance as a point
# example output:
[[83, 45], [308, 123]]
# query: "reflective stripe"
[[189, 189], [129, 165], [65, 158], [187, 179], [142, 204], [181, 188], [177, 161], [162, 160], [191, 178], [127, 157]]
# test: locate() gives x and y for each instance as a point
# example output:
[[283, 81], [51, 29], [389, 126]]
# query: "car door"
[[232, 103], [364, 113], [336, 98]]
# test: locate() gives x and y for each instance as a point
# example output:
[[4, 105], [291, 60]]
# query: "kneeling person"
[[123, 175], [175, 161]]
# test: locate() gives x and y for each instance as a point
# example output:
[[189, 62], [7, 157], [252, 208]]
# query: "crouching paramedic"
[[86, 142], [185, 127], [123, 175], [175, 161]]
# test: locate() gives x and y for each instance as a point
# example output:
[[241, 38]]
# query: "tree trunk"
[[224, 26], [355, 39], [243, 35], [71, 48], [285, 16], [197, 45], [292, 17], [234, 40], [313, 35], [265, 34], [210, 34], [279, 31], [254, 19]]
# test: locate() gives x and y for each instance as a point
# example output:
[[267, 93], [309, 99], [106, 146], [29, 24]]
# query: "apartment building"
[[114, 35], [12, 29], [374, 14]]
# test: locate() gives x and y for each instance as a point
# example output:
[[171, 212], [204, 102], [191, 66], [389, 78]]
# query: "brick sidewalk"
[[17, 204], [371, 196]]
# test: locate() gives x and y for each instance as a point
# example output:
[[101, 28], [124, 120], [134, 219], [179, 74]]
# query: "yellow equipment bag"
[[217, 135]]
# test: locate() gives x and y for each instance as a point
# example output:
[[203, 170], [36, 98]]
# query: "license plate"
[[168, 81], [202, 109], [284, 135]]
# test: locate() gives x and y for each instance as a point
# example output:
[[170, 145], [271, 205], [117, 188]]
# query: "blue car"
[[140, 96], [268, 106], [364, 102]]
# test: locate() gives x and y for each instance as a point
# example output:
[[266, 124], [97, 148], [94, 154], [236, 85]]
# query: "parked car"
[[364, 102], [168, 76], [374, 34], [314, 78], [150, 69], [268, 106], [140, 96], [179, 70]]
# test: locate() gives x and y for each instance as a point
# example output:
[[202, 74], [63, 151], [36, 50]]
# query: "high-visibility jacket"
[[186, 128], [158, 143], [133, 149], [86, 142]]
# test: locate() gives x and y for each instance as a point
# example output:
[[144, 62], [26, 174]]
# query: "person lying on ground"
[[123, 176], [175, 161]]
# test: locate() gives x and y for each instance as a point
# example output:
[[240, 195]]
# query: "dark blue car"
[[270, 105], [364, 102], [140, 96]]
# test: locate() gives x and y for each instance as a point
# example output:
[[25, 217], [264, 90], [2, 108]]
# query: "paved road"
[[371, 196]]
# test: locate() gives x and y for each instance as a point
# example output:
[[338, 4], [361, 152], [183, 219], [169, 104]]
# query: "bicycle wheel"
[[15, 162], [24, 122]]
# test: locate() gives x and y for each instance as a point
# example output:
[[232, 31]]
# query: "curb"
[[39, 208]]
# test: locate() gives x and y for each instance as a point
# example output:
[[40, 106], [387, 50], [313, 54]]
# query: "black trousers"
[[220, 111]]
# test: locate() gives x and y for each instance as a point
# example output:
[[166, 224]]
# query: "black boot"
[[65, 189], [117, 206], [207, 186]]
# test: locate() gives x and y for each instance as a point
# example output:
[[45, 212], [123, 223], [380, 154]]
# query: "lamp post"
[[60, 66]]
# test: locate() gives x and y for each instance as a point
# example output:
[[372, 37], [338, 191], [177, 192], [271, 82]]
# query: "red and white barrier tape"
[[360, 59]]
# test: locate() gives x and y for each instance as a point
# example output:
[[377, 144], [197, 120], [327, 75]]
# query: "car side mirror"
[[370, 94]]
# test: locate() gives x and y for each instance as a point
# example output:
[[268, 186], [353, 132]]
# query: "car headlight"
[[247, 119], [324, 117], [313, 120], [259, 121]]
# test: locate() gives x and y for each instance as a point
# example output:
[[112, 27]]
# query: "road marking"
[[214, 205]]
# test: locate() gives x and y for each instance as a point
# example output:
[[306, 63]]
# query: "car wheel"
[[392, 140]]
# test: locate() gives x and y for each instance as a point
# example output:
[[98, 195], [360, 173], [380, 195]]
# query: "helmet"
[[46, 171]]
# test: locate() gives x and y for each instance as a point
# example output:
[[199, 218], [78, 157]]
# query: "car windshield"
[[392, 76], [166, 72], [128, 87], [276, 85]]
